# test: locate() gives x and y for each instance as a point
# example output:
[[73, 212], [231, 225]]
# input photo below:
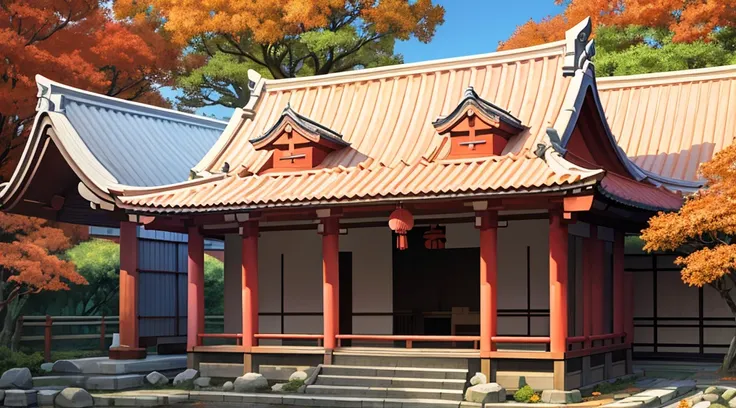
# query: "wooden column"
[[195, 287], [487, 222], [330, 282], [618, 283], [557, 283], [249, 280], [128, 285]]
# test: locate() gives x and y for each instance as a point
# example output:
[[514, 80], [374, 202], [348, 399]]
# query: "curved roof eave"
[[55, 127], [583, 81]]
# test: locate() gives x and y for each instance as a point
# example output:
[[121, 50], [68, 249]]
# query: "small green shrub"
[[293, 385], [524, 394], [14, 359], [611, 387]]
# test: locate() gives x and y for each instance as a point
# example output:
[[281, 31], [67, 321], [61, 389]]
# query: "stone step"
[[385, 392], [402, 372], [400, 382], [307, 400], [91, 382]]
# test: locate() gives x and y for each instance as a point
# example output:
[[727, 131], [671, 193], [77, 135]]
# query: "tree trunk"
[[724, 289], [12, 312]]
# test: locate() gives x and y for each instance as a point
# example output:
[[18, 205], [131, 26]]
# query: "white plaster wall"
[[372, 278], [302, 262], [513, 241]]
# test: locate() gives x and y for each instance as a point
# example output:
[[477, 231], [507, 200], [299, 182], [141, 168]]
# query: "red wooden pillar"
[[249, 232], [618, 283], [487, 222], [330, 281], [195, 288], [557, 283], [128, 285]]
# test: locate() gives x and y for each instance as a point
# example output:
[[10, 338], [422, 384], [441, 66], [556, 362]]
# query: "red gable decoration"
[[297, 142], [477, 127]]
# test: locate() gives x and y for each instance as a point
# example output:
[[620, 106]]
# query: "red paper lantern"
[[434, 238], [400, 222]]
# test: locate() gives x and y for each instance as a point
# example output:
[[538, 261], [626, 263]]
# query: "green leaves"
[[639, 50]]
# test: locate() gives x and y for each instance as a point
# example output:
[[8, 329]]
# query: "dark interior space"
[[429, 280]]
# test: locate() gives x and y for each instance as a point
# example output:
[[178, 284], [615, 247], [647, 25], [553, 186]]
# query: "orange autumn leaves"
[[78, 43], [704, 225], [687, 19], [27, 261], [273, 21]]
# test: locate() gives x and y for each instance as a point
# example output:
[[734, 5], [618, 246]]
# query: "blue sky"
[[471, 27]]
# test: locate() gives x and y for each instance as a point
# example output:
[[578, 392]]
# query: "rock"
[[732, 403], [45, 398], [18, 378], [621, 396], [73, 397], [702, 404], [202, 382], [277, 387], [483, 393], [2, 396], [46, 367], [561, 397], [717, 406], [714, 390], [157, 379], [66, 366], [228, 386], [20, 398], [187, 375], [478, 378], [250, 382], [729, 394], [713, 398], [298, 376]]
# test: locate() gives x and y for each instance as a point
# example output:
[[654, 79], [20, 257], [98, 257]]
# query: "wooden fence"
[[52, 330]]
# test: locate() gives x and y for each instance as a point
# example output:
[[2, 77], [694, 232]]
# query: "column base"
[[558, 379], [485, 368], [247, 363], [328, 357]]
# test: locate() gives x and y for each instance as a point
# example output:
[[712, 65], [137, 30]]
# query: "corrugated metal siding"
[[141, 150], [159, 293]]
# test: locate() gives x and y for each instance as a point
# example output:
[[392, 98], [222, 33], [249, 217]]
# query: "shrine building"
[[469, 209]]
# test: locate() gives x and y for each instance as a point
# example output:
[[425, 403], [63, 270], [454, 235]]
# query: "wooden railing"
[[49, 322], [590, 341], [280, 336], [408, 339]]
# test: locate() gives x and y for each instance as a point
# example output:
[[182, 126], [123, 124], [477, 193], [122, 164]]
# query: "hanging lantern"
[[435, 238], [400, 222]]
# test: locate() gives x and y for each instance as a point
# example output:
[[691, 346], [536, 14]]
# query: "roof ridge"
[[51, 95], [667, 77], [415, 68]]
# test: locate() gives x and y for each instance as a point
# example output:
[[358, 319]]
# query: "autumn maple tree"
[[642, 36], [704, 230], [76, 42], [28, 265], [281, 38]]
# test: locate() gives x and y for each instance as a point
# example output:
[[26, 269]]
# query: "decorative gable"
[[297, 142], [477, 127]]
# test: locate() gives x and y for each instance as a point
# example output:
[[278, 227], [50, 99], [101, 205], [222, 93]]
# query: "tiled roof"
[[387, 115], [643, 195], [668, 123], [365, 183], [140, 145]]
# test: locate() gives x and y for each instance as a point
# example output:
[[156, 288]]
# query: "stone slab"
[[114, 382], [45, 398], [59, 381], [20, 398], [663, 395]]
